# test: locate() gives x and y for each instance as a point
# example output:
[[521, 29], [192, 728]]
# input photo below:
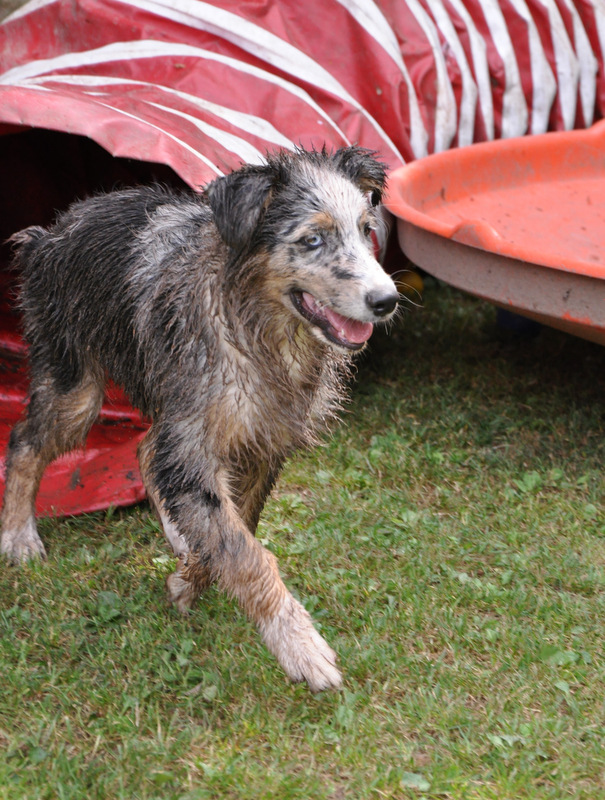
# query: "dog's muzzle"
[[349, 333]]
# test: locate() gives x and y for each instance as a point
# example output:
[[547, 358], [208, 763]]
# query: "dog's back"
[[85, 280]]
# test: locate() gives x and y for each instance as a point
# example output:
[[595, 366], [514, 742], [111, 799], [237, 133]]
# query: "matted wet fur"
[[230, 319]]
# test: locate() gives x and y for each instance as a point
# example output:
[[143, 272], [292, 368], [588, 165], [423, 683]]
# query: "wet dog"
[[230, 319]]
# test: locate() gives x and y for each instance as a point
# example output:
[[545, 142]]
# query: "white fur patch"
[[163, 234], [23, 544], [175, 539], [302, 652]]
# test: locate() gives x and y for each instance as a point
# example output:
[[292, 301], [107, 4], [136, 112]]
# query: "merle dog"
[[230, 319]]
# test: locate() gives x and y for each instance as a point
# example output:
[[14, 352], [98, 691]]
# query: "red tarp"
[[99, 93]]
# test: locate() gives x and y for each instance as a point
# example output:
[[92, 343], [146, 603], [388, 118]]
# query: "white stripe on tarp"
[[150, 48], [234, 144], [257, 126], [369, 16], [481, 67], [180, 142], [117, 51], [568, 70], [544, 85], [514, 105], [598, 7], [261, 43], [468, 100], [142, 120], [445, 107], [587, 62]]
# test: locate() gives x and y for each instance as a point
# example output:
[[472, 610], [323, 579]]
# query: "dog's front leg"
[[248, 572], [221, 548], [182, 591], [251, 486]]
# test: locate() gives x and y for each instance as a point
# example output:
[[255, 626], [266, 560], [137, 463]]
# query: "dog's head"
[[311, 215]]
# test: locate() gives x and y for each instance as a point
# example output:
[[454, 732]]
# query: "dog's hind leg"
[[56, 421]]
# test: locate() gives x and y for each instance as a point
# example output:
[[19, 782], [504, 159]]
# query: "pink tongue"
[[349, 329]]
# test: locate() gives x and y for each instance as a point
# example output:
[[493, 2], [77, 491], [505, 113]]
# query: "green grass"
[[449, 540]]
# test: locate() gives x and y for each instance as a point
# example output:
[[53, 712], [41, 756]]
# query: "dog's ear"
[[360, 166], [238, 202]]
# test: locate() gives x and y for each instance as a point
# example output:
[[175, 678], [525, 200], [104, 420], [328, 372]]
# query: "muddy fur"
[[230, 319]]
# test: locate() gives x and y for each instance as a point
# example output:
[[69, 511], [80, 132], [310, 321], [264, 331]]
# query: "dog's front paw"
[[187, 582], [180, 592], [22, 545], [302, 652]]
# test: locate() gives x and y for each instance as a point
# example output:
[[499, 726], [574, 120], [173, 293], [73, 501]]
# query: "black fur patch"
[[342, 274], [178, 482], [238, 202], [360, 166]]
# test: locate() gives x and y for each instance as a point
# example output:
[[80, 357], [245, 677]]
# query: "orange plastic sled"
[[519, 222]]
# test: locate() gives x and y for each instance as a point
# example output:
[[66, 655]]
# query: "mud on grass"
[[449, 539]]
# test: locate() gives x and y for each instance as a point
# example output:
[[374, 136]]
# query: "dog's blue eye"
[[313, 241]]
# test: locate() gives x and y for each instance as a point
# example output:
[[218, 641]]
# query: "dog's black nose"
[[380, 303]]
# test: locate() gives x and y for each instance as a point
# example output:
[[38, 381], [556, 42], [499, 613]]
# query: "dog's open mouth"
[[346, 332]]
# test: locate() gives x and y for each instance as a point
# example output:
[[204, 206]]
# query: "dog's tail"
[[22, 243], [27, 235]]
